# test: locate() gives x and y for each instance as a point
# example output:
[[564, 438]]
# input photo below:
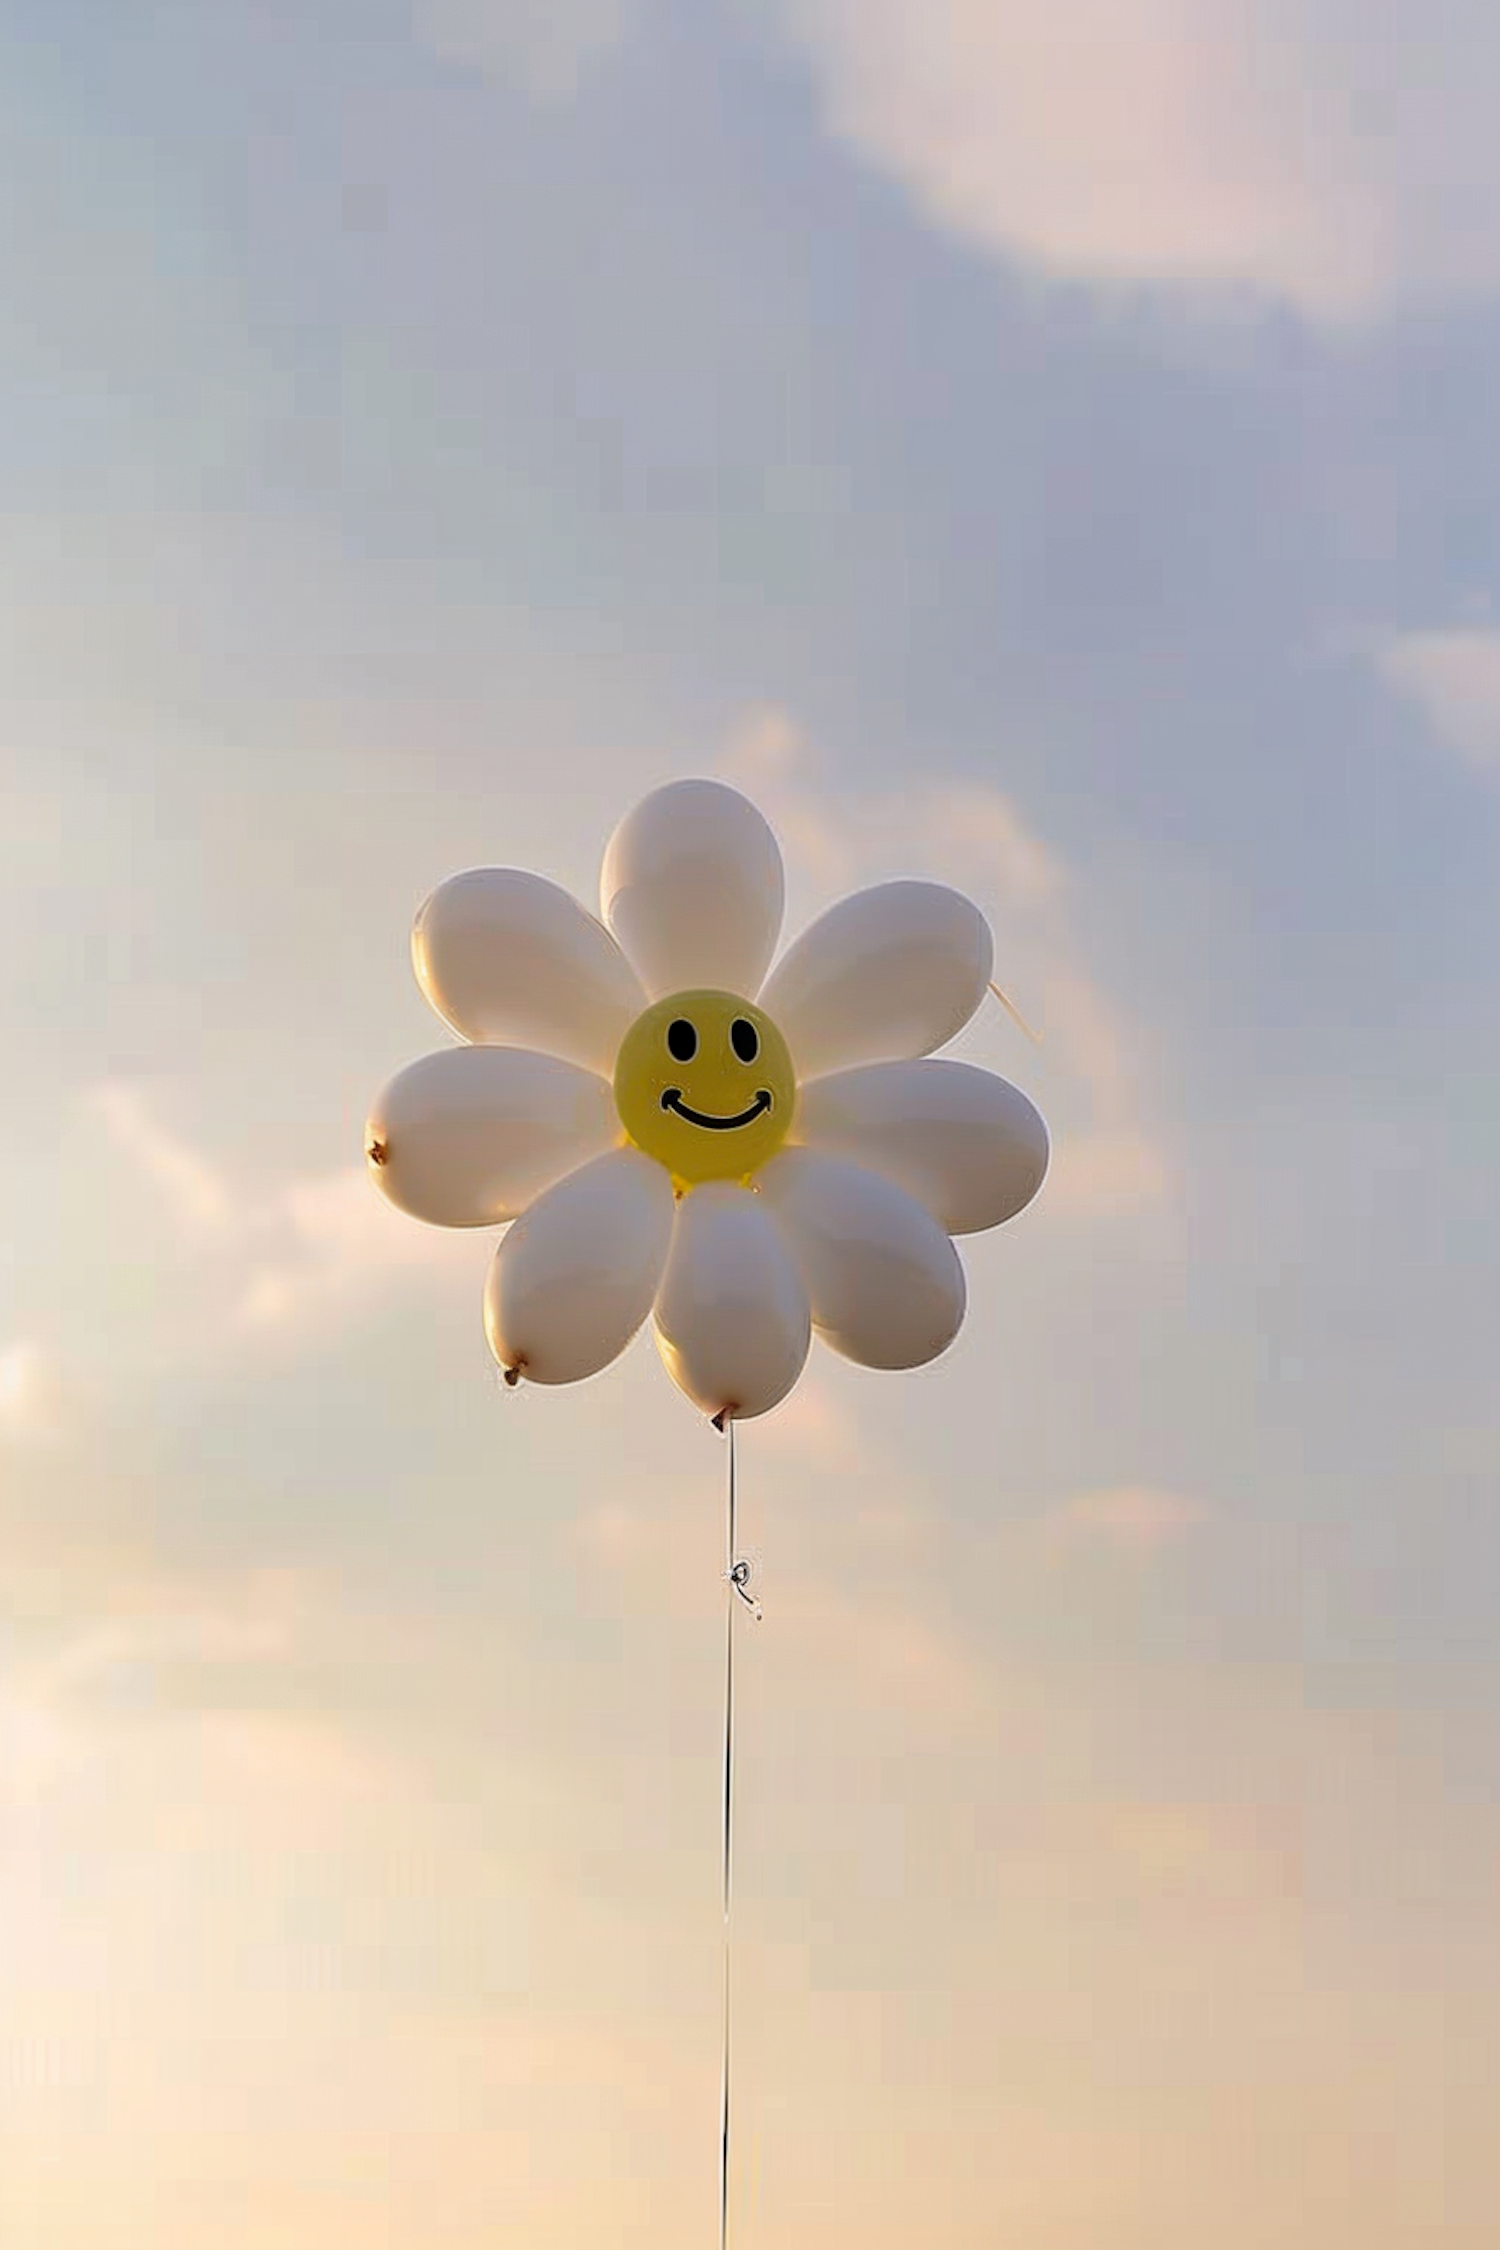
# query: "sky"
[[1048, 452]]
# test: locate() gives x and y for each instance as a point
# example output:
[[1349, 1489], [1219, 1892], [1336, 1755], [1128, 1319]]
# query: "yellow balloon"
[[704, 1083]]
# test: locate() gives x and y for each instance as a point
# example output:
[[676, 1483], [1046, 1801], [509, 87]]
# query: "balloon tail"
[[1015, 1015]]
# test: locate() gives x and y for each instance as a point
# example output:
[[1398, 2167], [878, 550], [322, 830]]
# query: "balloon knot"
[[512, 1375], [378, 1152]]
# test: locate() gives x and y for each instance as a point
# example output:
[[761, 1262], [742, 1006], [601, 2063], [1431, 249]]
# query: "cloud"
[[26, 1392], [1221, 1853], [1311, 150], [878, 1647], [815, 1425], [1130, 1518], [1114, 1164], [158, 1640], [246, 1683], [155, 1650], [326, 1242], [1110, 1161], [198, 1199], [1105, 1173], [314, 1249], [974, 831], [544, 46], [880, 1652], [1454, 680]]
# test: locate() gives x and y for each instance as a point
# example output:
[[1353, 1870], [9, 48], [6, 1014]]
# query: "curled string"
[[739, 1579], [737, 1576]]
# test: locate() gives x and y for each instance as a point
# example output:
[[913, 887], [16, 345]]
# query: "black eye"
[[744, 1039], [682, 1040]]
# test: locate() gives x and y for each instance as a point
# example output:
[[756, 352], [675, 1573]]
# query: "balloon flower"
[[671, 1128]]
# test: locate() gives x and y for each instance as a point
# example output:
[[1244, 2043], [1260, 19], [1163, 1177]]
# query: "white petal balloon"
[[509, 959], [468, 1137], [577, 1274], [968, 1145], [693, 889], [884, 1281], [888, 973], [732, 1321], [666, 1128]]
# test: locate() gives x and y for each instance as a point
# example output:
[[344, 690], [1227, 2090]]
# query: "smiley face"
[[704, 1083]]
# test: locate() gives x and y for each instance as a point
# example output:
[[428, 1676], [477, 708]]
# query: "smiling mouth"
[[672, 1099]]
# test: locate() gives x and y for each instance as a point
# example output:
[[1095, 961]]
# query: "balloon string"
[[1015, 1015], [737, 1577]]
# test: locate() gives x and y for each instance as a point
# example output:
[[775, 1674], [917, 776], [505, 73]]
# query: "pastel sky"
[[1053, 451]]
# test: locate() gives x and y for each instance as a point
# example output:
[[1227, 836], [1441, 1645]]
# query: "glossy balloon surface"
[[509, 959], [470, 1136], [887, 973], [693, 888], [885, 1283], [968, 1145], [732, 1321], [577, 1274]]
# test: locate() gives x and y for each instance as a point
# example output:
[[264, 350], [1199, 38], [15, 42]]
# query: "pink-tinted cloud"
[[1283, 150], [1216, 1852], [1132, 1518], [874, 1638], [1453, 678], [29, 1394], [200, 1202], [1109, 1159], [300, 1253]]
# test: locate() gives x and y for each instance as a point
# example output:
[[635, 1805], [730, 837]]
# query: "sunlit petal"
[[468, 1137], [693, 888], [885, 1283], [888, 973], [575, 1277], [732, 1321], [509, 959], [968, 1145]]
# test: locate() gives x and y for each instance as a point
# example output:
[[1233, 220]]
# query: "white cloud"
[[1216, 1851], [973, 831], [1109, 1161], [1114, 1164], [879, 1643], [1100, 1173], [544, 46], [882, 1653], [326, 1242], [1315, 150], [30, 1405], [156, 1631], [1133, 1518], [1454, 679], [816, 1425], [260, 1627], [199, 1200], [18, 1368], [315, 1248]]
